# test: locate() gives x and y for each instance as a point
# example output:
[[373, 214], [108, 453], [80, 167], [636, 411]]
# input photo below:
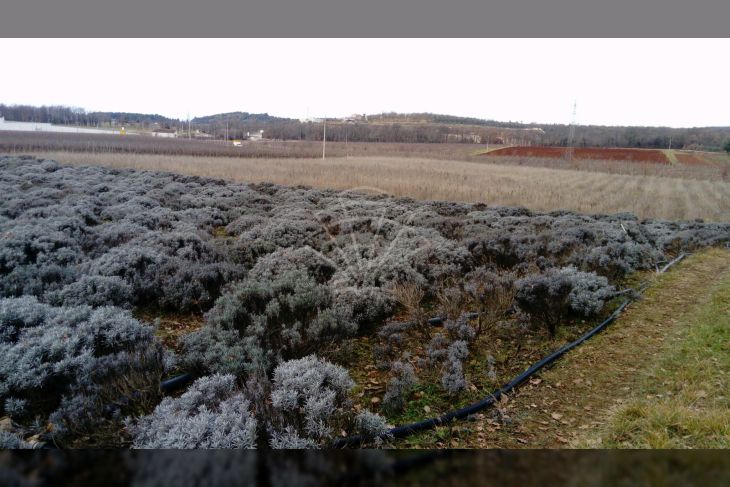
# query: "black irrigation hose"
[[409, 429], [674, 261], [176, 382]]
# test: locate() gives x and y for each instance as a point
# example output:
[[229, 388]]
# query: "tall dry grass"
[[716, 167], [532, 187]]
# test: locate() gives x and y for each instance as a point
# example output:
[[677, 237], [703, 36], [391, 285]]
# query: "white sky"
[[666, 82]]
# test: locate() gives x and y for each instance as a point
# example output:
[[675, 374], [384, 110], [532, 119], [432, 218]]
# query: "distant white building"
[[473, 138], [255, 135], [168, 133], [10, 126]]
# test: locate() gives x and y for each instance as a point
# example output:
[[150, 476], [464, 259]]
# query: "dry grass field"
[[715, 166], [533, 187]]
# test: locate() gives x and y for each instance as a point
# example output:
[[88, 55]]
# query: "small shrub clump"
[[309, 400], [76, 366], [212, 413], [453, 380], [402, 381], [288, 316], [558, 294]]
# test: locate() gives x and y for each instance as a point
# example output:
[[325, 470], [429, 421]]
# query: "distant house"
[[355, 117], [237, 143], [255, 135], [473, 138], [171, 133]]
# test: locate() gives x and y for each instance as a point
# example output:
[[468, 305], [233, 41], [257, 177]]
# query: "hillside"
[[391, 127]]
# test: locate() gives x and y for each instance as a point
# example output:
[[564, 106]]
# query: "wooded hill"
[[390, 127]]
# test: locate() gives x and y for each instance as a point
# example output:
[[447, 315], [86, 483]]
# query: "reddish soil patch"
[[691, 159], [595, 153]]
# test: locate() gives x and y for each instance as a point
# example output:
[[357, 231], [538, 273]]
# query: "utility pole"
[[670, 142], [347, 155], [324, 137], [571, 135], [188, 125]]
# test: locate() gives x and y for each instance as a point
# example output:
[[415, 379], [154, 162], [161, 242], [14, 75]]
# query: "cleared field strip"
[[593, 153], [571, 402], [536, 188]]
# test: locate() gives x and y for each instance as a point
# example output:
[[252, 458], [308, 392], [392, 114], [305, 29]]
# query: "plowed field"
[[594, 153]]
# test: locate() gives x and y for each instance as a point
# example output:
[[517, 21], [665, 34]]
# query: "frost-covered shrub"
[[615, 260], [400, 385], [373, 426], [36, 257], [215, 350], [289, 439], [285, 232], [490, 294], [561, 293], [77, 364], [15, 407], [289, 316], [9, 441], [367, 306], [452, 379], [437, 347], [212, 413], [449, 350], [309, 400], [460, 329], [304, 259], [94, 291], [390, 340], [414, 255], [168, 277]]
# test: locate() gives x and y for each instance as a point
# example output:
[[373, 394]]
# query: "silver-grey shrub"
[[557, 294], [289, 316], [400, 385], [309, 397], [94, 291], [212, 413], [75, 366], [452, 379]]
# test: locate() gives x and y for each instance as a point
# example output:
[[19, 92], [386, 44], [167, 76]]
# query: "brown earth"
[[691, 159], [591, 153]]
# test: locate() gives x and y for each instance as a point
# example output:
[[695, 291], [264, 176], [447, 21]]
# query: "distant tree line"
[[64, 115], [392, 127]]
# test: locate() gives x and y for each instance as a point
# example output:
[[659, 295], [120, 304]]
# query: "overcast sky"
[[672, 82]]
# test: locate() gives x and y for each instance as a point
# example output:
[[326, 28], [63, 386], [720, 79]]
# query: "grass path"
[[597, 394]]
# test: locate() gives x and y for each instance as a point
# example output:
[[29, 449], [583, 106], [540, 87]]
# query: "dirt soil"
[[692, 159], [580, 153], [559, 408]]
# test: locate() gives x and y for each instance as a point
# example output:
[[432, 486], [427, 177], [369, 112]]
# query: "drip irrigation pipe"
[[176, 382], [672, 262], [409, 429]]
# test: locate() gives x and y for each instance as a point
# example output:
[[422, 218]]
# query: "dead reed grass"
[[533, 187]]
